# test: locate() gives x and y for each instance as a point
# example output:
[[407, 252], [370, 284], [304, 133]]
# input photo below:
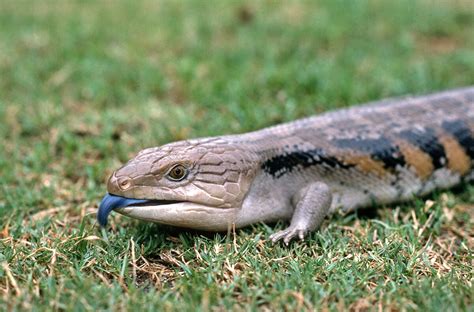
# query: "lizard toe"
[[287, 235], [275, 237]]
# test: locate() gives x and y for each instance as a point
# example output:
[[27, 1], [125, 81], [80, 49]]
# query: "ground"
[[85, 85]]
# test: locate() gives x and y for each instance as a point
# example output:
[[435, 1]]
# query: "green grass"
[[84, 85]]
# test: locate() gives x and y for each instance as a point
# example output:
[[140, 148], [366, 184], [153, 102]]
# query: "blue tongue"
[[111, 202]]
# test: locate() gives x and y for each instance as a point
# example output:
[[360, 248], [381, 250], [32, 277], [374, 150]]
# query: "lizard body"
[[378, 153]]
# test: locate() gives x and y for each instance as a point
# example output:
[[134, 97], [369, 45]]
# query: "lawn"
[[84, 85]]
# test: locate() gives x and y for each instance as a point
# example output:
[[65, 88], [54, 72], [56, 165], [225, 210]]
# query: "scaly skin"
[[379, 153]]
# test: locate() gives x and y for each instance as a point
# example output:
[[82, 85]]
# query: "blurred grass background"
[[84, 85]]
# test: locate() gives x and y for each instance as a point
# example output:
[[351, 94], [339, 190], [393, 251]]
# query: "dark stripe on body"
[[279, 165], [462, 133], [428, 142], [378, 149]]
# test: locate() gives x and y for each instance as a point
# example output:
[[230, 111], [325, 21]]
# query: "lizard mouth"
[[176, 213], [113, 202]]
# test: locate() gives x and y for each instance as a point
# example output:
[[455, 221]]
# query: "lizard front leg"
[[312, 205]]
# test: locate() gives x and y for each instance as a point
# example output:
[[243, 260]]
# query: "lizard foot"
[[287, 235], [312, 205]]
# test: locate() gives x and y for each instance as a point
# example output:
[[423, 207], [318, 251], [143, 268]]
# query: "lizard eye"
[[177, 173]]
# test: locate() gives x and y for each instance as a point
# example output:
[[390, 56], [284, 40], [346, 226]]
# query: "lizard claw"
[[287, 235]]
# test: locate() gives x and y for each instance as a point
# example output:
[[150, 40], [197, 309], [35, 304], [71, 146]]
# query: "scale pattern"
[[380, 152]]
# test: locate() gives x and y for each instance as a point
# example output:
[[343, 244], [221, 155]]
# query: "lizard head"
[[197, 184]]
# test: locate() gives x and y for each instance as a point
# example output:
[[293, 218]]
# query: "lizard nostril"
[[124, 183]]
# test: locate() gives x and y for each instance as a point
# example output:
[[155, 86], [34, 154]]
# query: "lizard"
[[379, 153]]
